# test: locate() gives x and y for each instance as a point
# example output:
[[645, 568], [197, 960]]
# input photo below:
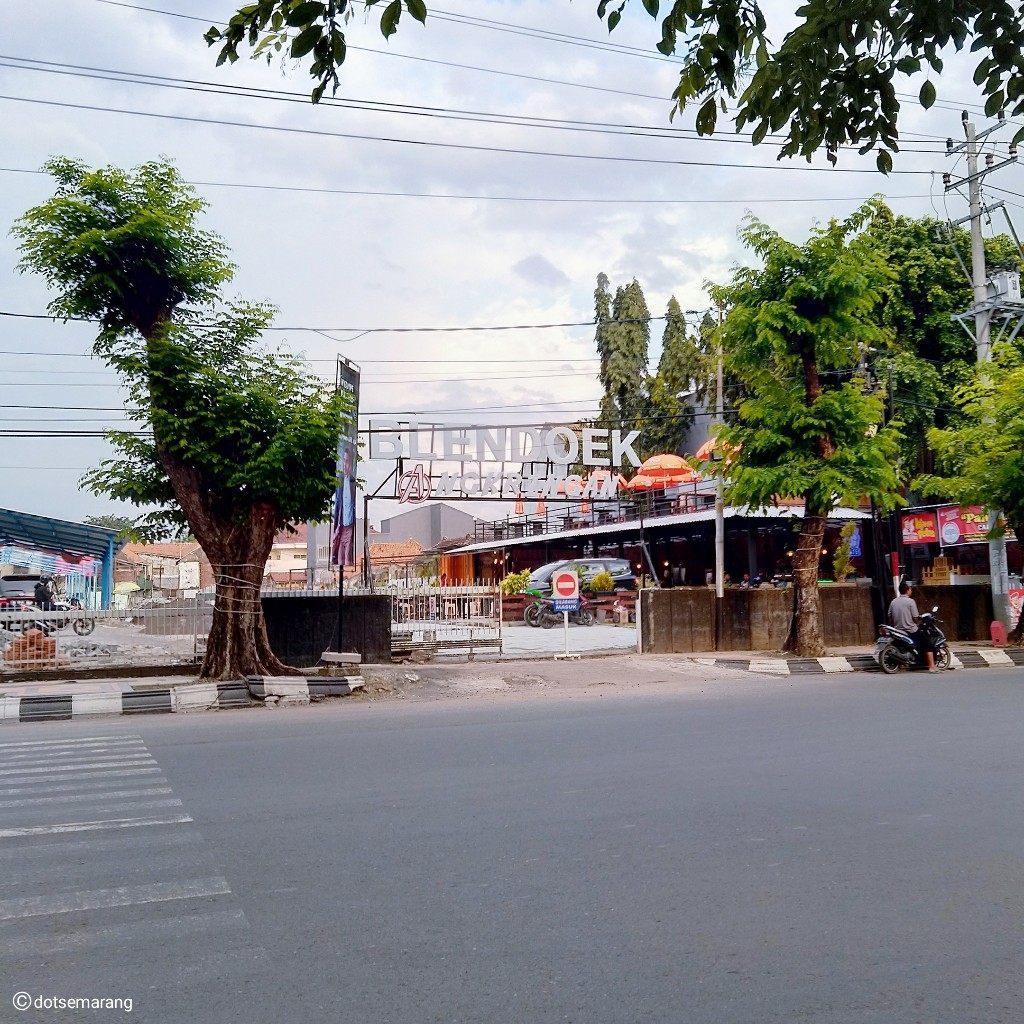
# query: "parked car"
[[20, 586], [619, 569]]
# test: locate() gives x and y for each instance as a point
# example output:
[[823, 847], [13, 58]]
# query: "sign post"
[[565, 589]]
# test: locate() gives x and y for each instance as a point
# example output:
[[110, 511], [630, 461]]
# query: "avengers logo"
[[414, 485]]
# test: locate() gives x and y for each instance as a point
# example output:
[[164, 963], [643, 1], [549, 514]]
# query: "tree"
[[807, 427], [241, 442], [981, 459], [930, 354], [122, 524], [668, 414], [830, 82]]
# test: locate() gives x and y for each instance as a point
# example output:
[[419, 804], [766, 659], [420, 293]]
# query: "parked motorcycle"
[[81, 623], [895, 648], [542, 612], [14, 610]]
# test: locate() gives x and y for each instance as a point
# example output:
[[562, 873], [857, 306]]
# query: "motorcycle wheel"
[[585, 617], [890, 660], [943, 659], [548, 619], [532, 615], [83, 627]]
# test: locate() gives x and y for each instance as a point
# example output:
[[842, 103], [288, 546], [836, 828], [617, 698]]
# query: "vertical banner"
[[343, 522]]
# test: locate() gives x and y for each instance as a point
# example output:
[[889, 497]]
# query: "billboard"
[[965, 525], [919, 528], [343, 521]]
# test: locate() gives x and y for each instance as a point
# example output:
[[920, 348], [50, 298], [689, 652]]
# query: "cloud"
[[538, 270]]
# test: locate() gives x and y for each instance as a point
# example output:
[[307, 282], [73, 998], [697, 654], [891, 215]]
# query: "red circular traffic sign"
[[566, 584]]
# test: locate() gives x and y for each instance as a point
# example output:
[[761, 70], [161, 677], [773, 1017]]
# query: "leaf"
[[651, 6], [927, 95], [707, 116], [614, 18], [884, 161], [389, 19], [305, 41], [995, 103], [304, 14], [418, 9]]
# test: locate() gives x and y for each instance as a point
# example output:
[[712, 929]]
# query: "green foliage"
[[122, 524], [599, 583], [668, 415], [121, 247], [831, 81], [794, 335], [842, 565], [515, 582], [232, 426], [303, 29], [981, 460]]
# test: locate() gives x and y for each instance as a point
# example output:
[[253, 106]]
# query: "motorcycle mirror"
[[935, 609]]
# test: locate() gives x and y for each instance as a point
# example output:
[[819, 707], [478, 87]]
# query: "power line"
[[501, 150], [568, 200]]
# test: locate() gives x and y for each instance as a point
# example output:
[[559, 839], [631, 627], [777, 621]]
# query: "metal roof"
[[57, 535], [841, 515]]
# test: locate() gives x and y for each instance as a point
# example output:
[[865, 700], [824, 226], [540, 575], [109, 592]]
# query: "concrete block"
[[95, 704]]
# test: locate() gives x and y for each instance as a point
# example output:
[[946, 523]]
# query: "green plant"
[[842, 566], [515, 582], [599, 583], [646, 582]]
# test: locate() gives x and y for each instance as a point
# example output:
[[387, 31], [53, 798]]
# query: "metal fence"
[[462, 617], [170, 633]]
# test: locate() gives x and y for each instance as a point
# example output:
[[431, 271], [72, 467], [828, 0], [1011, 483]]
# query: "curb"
[[983, 658], [269, 690]]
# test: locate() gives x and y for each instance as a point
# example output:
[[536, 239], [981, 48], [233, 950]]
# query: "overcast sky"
[[419, 199]]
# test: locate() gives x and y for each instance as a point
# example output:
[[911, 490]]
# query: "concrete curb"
[[981, 658], [284, 690], [181, 699]]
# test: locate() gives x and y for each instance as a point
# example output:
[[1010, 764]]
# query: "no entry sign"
[[565, 589]]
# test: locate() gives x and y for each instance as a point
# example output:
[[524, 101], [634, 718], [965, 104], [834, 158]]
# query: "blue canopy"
[[60, 537]]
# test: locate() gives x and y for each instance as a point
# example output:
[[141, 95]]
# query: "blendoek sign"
[[548, 449]]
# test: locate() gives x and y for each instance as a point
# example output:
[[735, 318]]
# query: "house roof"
[[178, 550], [297, 535]]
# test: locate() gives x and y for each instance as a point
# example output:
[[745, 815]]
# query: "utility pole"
[[719, 494], [983, 310]]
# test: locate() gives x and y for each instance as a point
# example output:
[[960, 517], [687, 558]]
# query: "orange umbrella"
[[643, 482], [704, 452], [520, 509], [585, 508], [672, 469], [600, 477], [541, 508]]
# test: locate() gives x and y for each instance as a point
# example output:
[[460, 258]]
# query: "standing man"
[[903, 614]]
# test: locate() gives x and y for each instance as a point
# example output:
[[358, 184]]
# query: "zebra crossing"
[[102, 869]]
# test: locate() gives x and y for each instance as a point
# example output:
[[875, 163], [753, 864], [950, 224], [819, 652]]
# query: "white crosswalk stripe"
[[98, 854]]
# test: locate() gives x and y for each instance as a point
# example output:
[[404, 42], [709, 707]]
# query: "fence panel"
[[173, 633], [452, 618]]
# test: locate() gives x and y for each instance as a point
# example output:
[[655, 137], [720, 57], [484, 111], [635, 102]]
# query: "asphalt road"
[[814, 849]]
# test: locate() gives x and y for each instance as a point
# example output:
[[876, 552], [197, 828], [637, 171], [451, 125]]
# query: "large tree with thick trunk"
[[807, 427], [239, 441]]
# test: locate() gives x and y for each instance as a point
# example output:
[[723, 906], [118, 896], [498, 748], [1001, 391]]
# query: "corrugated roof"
[[57, 535]]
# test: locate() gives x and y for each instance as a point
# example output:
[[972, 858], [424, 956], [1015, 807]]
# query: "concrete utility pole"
[[719, 492], [983, 310]]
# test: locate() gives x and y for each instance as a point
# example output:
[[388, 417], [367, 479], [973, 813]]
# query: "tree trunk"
[[237, 643], [804, 637]]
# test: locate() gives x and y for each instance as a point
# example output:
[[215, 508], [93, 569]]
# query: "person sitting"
[[745, 583], [904, 615]]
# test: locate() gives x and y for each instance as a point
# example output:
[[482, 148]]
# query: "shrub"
[[515, 582], [600, 582]]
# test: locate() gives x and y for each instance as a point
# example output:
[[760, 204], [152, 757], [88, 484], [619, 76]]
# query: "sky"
[[477, 172]]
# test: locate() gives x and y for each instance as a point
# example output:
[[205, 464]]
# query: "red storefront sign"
[[920, 528], [962, 525]]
